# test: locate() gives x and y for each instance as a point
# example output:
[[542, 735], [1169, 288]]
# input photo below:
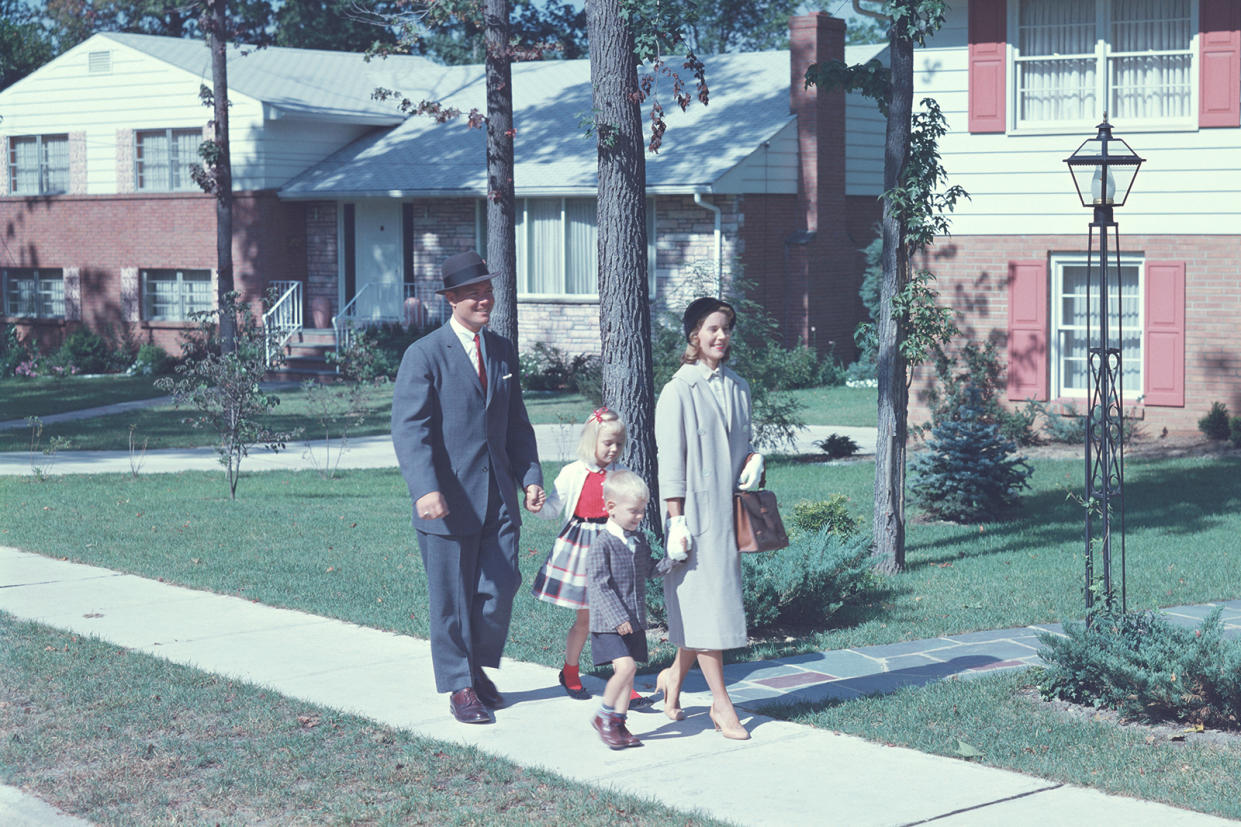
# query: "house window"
[[163, 159], [39, 164], [172, 295], [1075, 60], [35, 294], [1075, 324], [558, 245]]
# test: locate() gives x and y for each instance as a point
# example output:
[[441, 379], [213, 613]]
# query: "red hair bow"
[[596, 415]]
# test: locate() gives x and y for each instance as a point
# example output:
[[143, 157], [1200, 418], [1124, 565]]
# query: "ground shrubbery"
[[808, 582], [548, 368], [1147, 669], [1216, 424]]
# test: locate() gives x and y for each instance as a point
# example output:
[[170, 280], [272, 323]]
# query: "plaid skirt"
[[562, 578]]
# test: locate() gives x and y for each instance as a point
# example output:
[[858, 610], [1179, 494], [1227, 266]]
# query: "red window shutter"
[[987, 23], [1027, 330], [1219, 63], [1163, 353]]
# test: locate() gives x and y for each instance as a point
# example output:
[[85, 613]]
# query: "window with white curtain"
[[39, 164], [1075, 59], [163, 159], [1075, 323], [34, 294], [558, 245], [172, 295]]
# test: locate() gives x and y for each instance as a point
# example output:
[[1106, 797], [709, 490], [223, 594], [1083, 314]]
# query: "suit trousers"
[[471, 582]]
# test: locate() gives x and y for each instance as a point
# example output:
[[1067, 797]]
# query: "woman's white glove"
[[752, 474], [679, 540]]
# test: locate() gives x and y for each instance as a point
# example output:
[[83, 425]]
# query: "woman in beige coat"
[[702, 432]]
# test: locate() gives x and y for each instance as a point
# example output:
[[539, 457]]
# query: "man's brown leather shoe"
[[486, 691], [613, 733], [467, 708]]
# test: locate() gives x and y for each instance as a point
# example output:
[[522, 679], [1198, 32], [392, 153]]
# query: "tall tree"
[[454, 31], [717, 26], [624, 299], [334, 25], [25, 43], [215, 22], [501, 199]]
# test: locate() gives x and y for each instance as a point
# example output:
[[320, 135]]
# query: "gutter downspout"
[[719, 243]]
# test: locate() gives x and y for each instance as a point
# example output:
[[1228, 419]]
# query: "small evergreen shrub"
[[1234, 433], [808, 582], [1216, 423], [84, 350], [1144, 667], [837, 446], [151, 360], [976, 369], [813, 516], [969, 472]]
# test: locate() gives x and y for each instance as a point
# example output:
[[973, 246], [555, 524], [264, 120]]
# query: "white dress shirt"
[[467, 341], [719, 385]]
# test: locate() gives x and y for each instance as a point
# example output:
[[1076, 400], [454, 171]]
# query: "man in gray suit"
[[464, 443]]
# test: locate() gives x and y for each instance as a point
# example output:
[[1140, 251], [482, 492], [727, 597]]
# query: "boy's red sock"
[[571, 677]]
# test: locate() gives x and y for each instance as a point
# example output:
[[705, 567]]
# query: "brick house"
[[343, 195], [1023, 83]]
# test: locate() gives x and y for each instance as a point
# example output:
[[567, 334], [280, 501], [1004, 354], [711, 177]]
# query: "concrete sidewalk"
[[557, 443], [788, 774]]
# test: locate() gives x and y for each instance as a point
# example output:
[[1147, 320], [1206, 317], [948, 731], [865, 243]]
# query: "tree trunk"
[[893, 390], [624, 298], [501, 203], [223, 174]]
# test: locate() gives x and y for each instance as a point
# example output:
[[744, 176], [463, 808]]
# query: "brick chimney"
[[812, 297]]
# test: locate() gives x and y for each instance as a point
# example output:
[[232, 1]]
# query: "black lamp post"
[[1103, 169]]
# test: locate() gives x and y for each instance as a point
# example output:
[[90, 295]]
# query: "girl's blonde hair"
[[621, 484], [599, 419], [692, 352]]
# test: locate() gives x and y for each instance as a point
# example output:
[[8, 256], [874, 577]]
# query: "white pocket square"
[[507, 376]]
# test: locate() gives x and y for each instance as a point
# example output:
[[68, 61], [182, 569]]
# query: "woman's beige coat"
[[700, 459]]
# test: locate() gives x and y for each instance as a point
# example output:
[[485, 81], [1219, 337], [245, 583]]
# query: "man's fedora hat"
[[463, 269]]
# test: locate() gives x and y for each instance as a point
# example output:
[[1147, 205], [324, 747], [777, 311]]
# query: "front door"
[[378, 260]]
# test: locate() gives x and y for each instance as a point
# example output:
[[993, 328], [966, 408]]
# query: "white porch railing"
[[284, 320], [420, 306]]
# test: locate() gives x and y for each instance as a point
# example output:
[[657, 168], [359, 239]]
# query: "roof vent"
[[99, 63]]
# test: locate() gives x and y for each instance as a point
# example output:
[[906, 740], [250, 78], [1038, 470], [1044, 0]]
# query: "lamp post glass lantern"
[[1103, 170]]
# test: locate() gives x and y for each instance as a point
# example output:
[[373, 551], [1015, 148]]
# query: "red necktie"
[[482, 372]]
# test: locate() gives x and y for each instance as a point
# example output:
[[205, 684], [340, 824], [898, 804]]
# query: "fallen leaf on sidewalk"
[[967, 751], [308, 721]]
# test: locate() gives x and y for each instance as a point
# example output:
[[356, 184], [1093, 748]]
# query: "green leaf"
[[967, 751]]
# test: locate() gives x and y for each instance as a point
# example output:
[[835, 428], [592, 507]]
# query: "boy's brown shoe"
[[610, 732]]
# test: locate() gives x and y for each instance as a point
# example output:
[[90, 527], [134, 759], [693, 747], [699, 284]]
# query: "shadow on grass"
[[1165, 496]]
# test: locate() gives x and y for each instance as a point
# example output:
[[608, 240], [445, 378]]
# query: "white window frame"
[[1102, 56], [480, 242], [182, 305], [185, 181], [44, 171], [47, 293], [1058, 263]]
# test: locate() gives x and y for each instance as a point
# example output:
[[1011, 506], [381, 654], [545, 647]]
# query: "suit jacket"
[[451, 438], [616, 581]]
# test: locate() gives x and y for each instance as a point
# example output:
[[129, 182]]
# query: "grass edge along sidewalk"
[[321, 661]]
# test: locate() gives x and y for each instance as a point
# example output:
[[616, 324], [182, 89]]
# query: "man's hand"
[[679, 540], [625, 628], [535, 497], [431, 506], [752, 474]]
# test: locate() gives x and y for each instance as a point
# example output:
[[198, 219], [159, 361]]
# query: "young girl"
[[578, 500]]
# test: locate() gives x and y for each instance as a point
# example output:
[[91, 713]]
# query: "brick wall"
[[972, 278], [108, 239], [322, 289]]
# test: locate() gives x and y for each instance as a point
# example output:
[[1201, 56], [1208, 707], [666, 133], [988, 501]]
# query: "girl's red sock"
[[571, 677], [635, 695]]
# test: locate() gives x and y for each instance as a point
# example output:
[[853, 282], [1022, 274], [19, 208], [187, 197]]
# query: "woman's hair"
[[692, 354], [600, 419], [620, 485]]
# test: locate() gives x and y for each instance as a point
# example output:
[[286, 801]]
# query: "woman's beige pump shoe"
[[735, 731], [674, 712]]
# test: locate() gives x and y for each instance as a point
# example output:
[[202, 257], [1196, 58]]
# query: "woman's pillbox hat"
[[463, 269], [699, 309]]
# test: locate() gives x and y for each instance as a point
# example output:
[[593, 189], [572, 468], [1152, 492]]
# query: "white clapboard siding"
[[290, 145], [865, 132], [772, 168], [1190, 183]]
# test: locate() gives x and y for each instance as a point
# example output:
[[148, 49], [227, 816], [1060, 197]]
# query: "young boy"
[[617, 566]]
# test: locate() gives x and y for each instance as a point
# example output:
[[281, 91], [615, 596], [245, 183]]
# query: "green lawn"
[[119, 737], [21, 397], [1001, 717], [344, 548], [855, 407]]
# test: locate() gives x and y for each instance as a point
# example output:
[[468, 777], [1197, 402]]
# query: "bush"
[[974, 370], [812, 516], [1215, 424], [13, 351], [808, 582], [151, 360], [969, 472], [1069, 426], [548, 368], [837, 446], [85, 351], [1235, 431], [1144, 667]]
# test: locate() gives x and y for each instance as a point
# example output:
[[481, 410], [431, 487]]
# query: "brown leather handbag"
[[758, 523]]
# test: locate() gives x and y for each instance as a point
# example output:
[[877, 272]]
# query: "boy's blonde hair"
[[621, 484], [599, 419]]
